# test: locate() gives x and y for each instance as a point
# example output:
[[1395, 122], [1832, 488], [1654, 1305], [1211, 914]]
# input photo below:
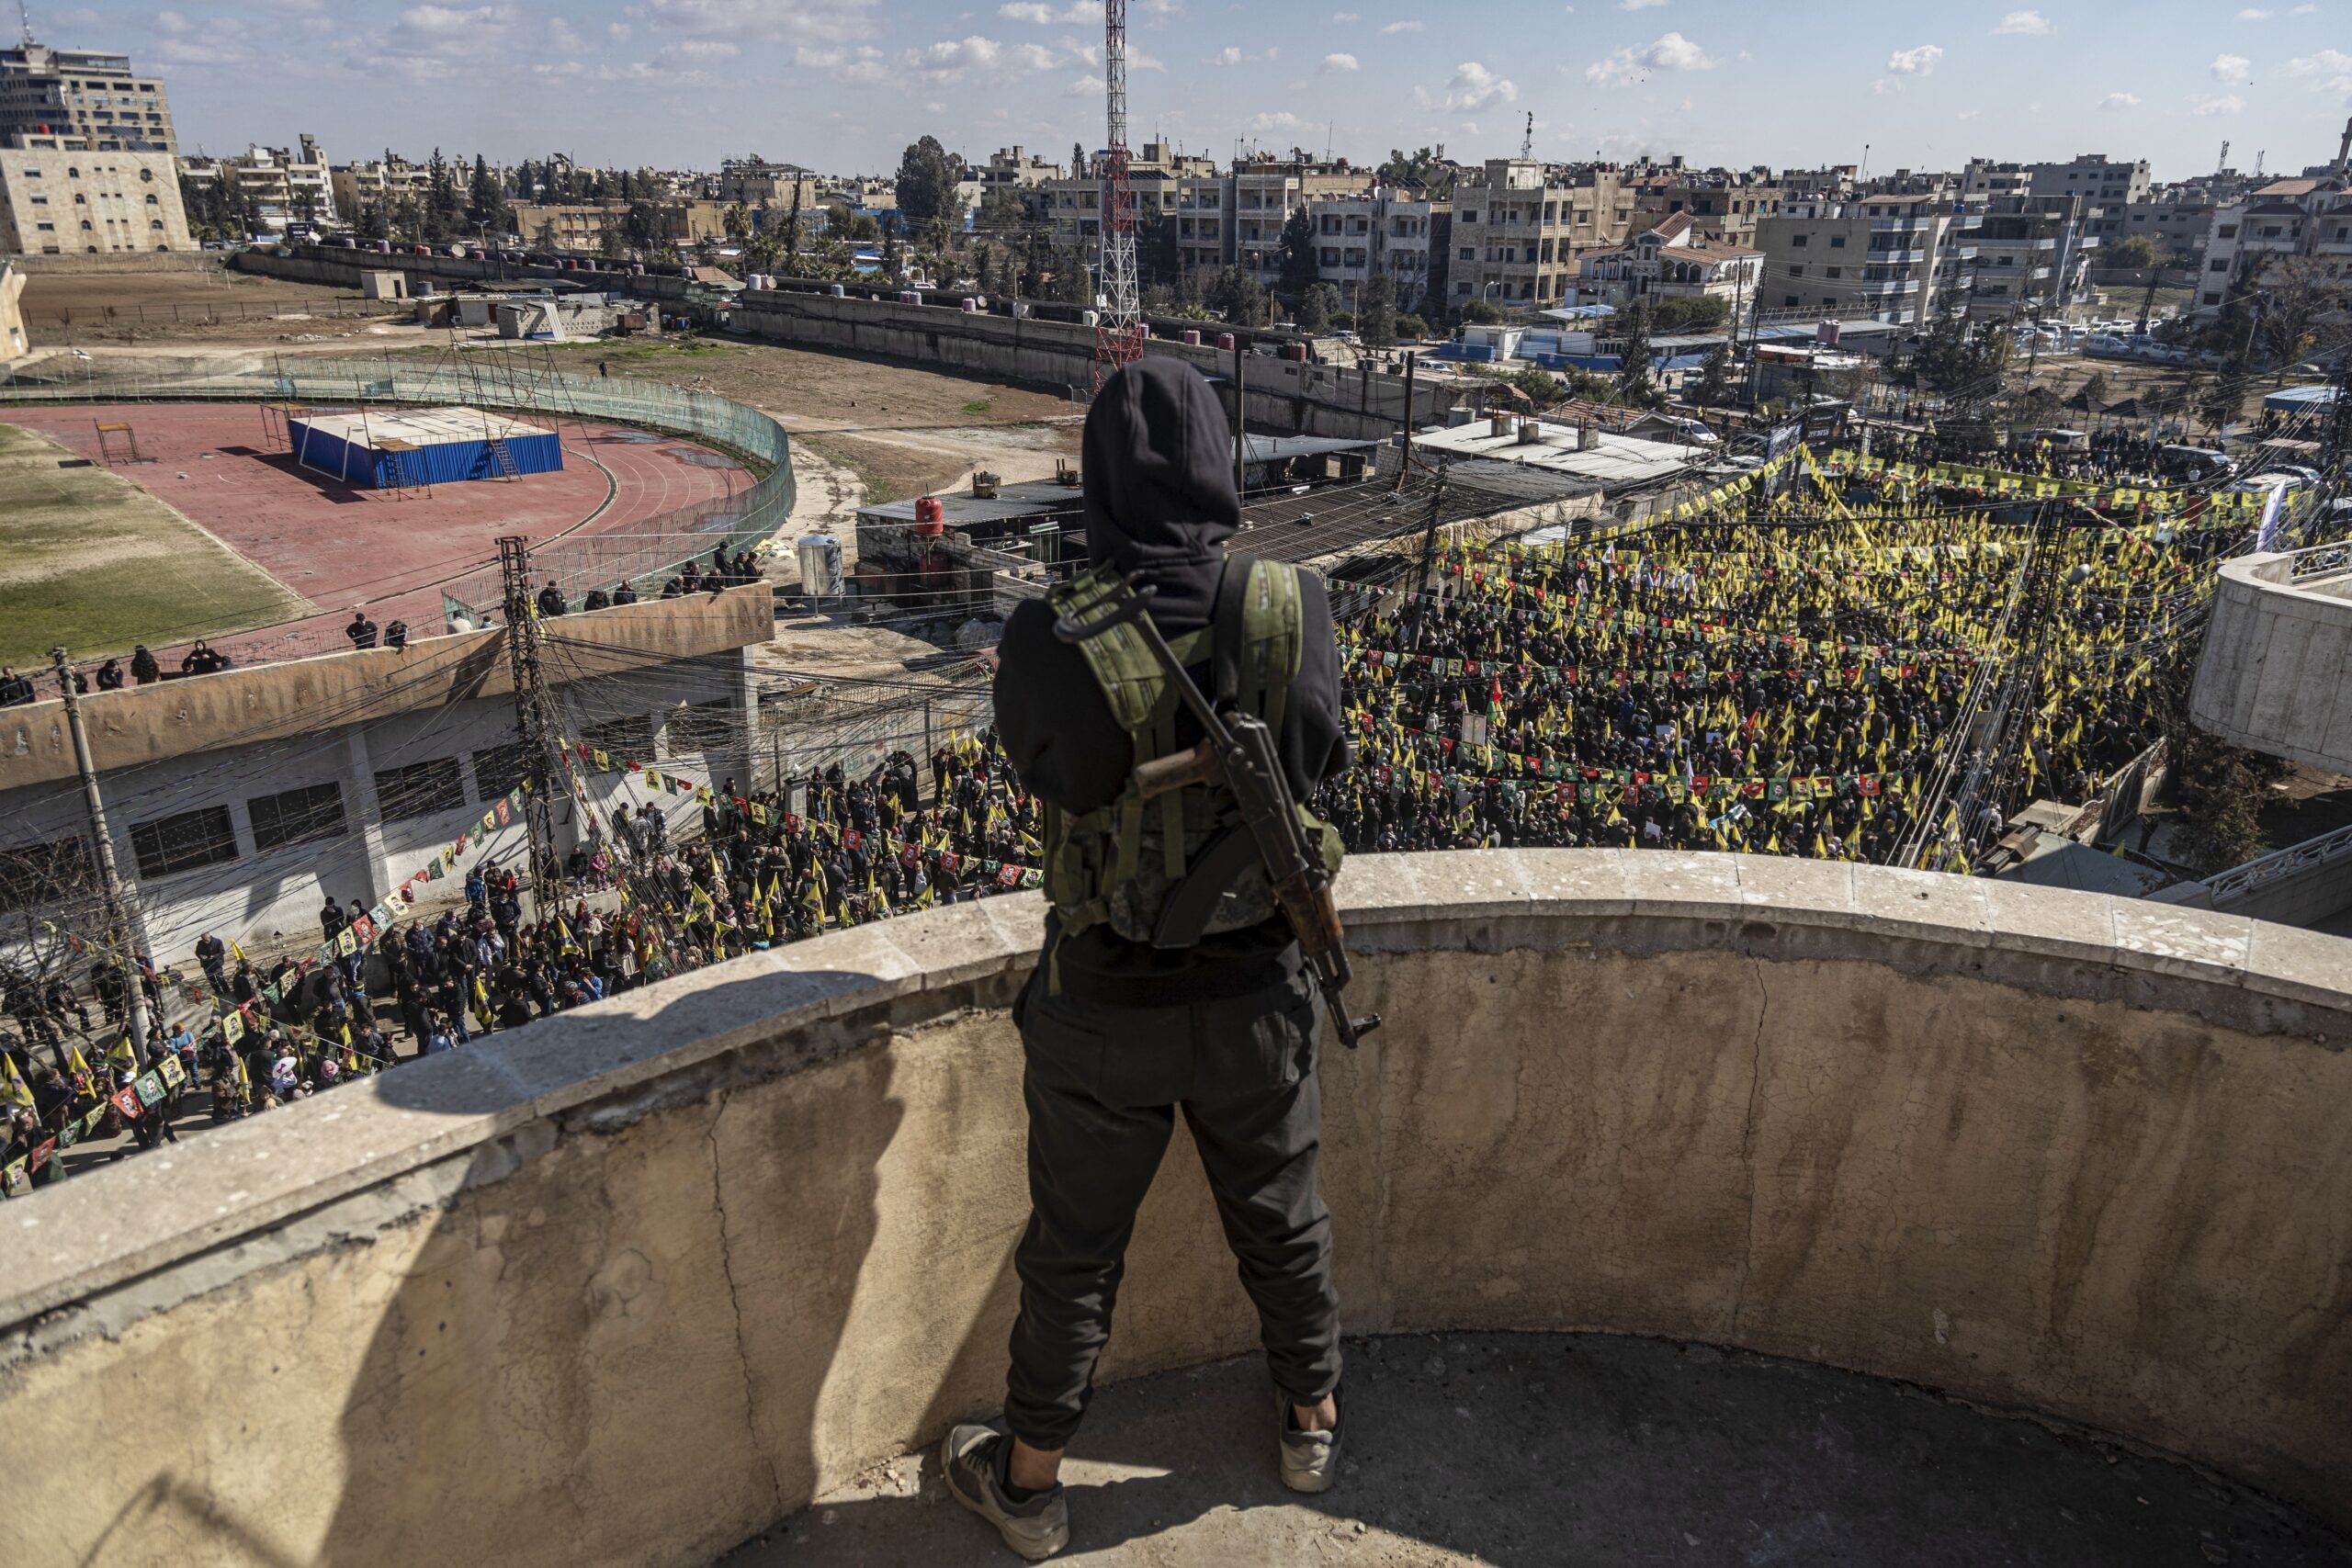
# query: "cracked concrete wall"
[[639, 1328]]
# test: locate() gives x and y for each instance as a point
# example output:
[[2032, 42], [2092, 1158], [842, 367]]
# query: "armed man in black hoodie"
[[1151, 993]]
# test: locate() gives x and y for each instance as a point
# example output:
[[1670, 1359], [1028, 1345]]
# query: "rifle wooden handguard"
[[1197, 766]]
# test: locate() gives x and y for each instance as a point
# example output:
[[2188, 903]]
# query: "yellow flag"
[[12, 1087], [122, 1055], [236, 952]]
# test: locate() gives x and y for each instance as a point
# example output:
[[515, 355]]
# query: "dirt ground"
[[181, 306], [899, 429]]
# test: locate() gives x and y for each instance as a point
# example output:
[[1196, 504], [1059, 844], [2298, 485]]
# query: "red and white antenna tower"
[[1118, 329]]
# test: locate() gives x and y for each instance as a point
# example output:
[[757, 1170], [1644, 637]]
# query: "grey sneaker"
[[1310, 1459], [973, 1458]]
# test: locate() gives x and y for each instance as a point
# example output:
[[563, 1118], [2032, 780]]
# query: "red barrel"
[[1192, 335], [931, 517], [1295, 351], [1224, 342]]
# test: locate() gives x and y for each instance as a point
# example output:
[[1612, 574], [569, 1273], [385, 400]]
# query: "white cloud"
[[1395, 27], [1340, 63], [1672, 52], [1034, 57], [2222, 103], [2254, 13], [1225, 56], [2024, 24], [2228, 67], [1076, 16], [1474, 88], [2302, 10], [2119, 101], [439, 19], [835, 22], [1969, 114], [1638, 4], [2331, 66], [1286, 121], [1914, 62], [1344, 17], [703, 49]]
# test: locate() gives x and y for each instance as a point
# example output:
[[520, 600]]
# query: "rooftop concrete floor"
[[1510, 1450]]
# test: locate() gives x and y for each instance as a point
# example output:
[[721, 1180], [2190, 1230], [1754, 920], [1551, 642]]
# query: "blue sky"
[[845, 85]]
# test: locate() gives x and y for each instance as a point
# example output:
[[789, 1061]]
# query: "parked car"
[[2194, 463]]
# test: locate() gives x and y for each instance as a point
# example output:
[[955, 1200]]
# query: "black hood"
[[1158, 464]]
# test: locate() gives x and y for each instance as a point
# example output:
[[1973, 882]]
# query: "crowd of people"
[[1795, 685], [1800, 678], [825, 852]]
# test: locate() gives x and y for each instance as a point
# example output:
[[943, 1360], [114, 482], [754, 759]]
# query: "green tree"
[[927, 178], [1299, 268], [865, 227], [2132, 250], [1000, 209], [737, 222], [1315, 307], [1636, 384], [1411, 329], [486, 200], [1482, 312], [792, 225], [1698, 313], [1424, 168], [1376, 309], [1716, 387], [443, 207], [1239, 297]]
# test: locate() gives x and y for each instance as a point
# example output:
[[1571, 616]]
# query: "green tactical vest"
[[1121, 864]]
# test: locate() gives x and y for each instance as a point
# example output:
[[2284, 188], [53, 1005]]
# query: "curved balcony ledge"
[[633, 1283], [2271, 677]]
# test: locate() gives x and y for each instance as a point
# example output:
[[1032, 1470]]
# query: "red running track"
[[339, 545]]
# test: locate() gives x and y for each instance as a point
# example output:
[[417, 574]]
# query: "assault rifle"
[[1237, 754]]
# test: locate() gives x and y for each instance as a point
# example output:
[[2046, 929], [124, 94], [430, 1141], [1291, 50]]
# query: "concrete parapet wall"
[[270, 702], [2273, 675], [630, 1284], [1313, 399]]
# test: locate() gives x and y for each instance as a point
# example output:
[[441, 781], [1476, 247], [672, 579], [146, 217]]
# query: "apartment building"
[[59, 196], [756, 183], [1386, 229], [377, 183], [1888, 258], [1721, 205], [1675, 260], [84, 96], [2033, 258], [2176, 223], [282, 184], [581, 227], [1014, 168], [2305, 216], [1520, 227]]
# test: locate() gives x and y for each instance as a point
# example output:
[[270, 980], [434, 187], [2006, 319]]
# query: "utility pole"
[[1240, 407], [1429, 559], [1410, 360], [119, 935], [534, 715]]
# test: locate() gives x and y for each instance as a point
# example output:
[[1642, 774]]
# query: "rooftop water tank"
[[821, 567], [931, 517]]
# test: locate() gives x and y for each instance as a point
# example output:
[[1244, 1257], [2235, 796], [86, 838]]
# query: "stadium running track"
[[339, 546]]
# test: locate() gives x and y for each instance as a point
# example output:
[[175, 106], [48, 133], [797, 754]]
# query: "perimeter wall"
[[630, 1284]]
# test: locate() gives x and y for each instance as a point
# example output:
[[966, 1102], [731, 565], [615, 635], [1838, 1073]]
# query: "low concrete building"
[[240, 801], [60, 196]]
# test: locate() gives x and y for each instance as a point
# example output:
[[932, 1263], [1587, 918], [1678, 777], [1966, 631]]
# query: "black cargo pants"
[[1103, 1085]]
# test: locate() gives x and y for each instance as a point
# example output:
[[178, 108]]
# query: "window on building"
[[1836, 272], [297, 817], [46, 876], [1797, 271], [1836, 241], [2226, 231], [418, 789], [628, 738], [703, 727], [203, 837], [499, 770], [2218, 264], [1791, 300], [1797, 241]]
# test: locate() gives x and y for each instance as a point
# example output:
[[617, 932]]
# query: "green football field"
[[91, 562]]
